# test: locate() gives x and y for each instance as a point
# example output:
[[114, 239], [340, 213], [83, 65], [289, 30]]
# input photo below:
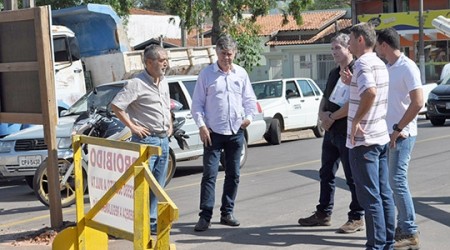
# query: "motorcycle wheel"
[[40, 183], [171, 166]]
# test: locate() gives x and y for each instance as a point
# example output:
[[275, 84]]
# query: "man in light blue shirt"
[[223, 105]]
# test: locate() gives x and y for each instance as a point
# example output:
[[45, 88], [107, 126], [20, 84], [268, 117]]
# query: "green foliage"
[[156, 5], [249, 44], [330, 4], [122, 7], [228, 15]]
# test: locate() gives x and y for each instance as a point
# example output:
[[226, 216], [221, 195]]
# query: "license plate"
[[447, 105], [30, 161]]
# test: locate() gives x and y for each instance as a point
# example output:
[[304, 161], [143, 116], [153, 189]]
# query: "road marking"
[[433, 138], [71, 210], [249, 174]]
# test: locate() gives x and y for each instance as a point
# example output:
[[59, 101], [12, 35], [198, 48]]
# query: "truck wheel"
[[437, 121], [171, 167], [318, 130], [242, 160], [273, 135], [40, 183]]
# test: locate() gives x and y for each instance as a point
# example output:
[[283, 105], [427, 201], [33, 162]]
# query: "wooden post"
[[47, 81]]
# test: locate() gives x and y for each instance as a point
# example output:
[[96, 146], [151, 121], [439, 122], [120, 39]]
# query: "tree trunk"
[[216, 22]]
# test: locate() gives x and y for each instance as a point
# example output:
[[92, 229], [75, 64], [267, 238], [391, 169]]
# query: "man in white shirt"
[[405, 101], [223, 105]]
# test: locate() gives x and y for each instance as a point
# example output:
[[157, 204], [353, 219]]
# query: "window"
[[316, 90], [176, 94], [291, 88], [306, 88], [60, 47], [276, 68]]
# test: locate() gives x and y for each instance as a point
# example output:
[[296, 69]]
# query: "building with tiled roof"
[[292, 50]]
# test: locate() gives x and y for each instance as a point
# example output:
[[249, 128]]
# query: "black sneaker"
[[316, 219], [229, 220], [202, 225]]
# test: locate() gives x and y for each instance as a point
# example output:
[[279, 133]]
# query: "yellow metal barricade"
[[89, 234]]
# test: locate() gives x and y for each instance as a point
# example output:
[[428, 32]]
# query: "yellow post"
[[141, 211], [89, 234]]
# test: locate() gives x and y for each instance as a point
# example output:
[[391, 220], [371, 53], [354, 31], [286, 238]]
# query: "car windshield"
[[268, 89], [99, 97]]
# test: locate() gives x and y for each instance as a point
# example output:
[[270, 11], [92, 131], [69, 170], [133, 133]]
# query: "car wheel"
[[40, 183], [242, 160], [318, 130], [437, 121], [273, 135], [171, 166]]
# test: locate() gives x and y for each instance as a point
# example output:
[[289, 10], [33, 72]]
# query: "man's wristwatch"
[[396, 128]]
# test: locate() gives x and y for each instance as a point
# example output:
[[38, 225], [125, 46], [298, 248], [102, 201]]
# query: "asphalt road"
[[278, 185]]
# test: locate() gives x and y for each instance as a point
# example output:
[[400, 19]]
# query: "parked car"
[[289, 104], [21, 153], [427, 88], [438, 103]]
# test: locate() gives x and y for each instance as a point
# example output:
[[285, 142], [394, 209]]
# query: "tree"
[[156, 5], [122, 7], [227, 17], [330, 4]]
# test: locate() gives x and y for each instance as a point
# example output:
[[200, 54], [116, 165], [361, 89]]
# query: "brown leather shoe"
[[351, 226], [317, 219], [407, 242]]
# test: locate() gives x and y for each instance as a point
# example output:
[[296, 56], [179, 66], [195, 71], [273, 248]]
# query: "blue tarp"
[[98, 28]]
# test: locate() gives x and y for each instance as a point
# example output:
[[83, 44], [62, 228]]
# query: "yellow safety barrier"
[[89, 234]]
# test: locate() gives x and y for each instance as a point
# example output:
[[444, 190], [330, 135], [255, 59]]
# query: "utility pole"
[[421, 44]]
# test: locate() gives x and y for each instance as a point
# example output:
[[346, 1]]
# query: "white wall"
[[141, 28]]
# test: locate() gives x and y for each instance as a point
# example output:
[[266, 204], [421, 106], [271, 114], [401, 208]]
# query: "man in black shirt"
[[333, 114]]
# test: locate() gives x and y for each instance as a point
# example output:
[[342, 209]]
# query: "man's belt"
[[162, 134]]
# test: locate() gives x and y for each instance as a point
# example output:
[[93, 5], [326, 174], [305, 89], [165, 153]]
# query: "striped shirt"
[[369, 72]]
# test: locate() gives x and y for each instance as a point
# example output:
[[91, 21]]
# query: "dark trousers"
[[333, 151], [232, 147]]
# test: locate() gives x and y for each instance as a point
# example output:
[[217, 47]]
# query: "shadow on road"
[[270, 236], [314, 174], [429, 207]]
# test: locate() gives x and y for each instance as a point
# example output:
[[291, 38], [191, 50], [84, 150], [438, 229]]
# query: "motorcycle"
[[100, 123]]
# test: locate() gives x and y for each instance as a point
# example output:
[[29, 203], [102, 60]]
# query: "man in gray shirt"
[[143, 105]]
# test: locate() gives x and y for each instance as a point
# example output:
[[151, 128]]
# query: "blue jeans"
[[398, 166], [371, 174], [232, 147], [333, 151], [158, 167]]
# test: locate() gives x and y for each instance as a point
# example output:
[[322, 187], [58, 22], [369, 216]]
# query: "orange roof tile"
[[341, 24], [312, 20]]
